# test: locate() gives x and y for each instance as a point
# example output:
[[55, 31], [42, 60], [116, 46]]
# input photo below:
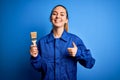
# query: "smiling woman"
[[60, 14], [59, 17], [56, 54]]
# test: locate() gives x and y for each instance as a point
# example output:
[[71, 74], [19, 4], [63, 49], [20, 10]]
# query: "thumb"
[[74, 45]]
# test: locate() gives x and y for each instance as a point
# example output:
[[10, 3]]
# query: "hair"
[[66, 24]]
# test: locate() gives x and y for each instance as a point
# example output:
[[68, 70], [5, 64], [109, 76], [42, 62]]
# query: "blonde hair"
[[66, 27]]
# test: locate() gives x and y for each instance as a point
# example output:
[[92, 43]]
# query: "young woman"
[[57, 53]]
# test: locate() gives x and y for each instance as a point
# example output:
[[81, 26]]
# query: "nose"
[[58, 16]]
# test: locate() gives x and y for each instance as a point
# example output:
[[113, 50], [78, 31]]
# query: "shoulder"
[[44, 38], [75, 38]]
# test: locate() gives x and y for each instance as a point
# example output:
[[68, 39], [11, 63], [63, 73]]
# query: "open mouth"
[[57, 21]]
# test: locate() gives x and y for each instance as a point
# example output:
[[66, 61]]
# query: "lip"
[[57, 20]]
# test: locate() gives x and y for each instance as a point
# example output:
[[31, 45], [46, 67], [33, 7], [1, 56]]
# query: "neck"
[[58, 32]]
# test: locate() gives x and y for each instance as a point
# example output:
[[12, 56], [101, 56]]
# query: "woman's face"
[[59, 17]]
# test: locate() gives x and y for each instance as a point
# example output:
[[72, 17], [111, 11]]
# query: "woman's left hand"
[[73, 51]]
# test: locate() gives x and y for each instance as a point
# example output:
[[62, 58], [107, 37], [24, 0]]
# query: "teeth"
[[57, 21]]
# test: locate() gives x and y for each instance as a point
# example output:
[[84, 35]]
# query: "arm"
[[81, 53], [36, 60], [84, 56]]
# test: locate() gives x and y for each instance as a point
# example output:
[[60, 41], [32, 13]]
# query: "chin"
[[57, 26]]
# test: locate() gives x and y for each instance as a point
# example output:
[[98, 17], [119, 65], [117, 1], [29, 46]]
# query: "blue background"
[[96, 22]]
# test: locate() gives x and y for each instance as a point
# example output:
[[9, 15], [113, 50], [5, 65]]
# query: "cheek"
[[65, 20], [53, 17]]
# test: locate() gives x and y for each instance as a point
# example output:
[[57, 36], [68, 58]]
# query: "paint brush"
[[33, 37]]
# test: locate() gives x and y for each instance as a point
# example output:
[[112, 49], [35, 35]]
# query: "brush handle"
[[34, 42]]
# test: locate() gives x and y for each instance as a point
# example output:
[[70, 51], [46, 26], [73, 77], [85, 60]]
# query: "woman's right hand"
[[33, 51]]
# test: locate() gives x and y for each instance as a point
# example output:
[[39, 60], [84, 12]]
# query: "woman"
[[56, 54]]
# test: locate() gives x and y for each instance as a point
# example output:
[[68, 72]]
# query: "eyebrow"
[[60, 12]]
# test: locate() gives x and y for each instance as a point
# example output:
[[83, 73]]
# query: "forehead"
[[59, 9]]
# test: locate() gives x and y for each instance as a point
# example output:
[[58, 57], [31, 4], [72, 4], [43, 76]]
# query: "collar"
[[64, 37]]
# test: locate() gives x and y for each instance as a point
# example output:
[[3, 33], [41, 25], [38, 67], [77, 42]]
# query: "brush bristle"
[[33, 35]]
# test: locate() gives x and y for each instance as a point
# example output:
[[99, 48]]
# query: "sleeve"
[[38, 62], [84, 56]]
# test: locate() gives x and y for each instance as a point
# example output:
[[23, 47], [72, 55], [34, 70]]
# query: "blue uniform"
[[55, 63]]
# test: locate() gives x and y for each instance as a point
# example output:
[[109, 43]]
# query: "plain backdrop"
[[96, 22]]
